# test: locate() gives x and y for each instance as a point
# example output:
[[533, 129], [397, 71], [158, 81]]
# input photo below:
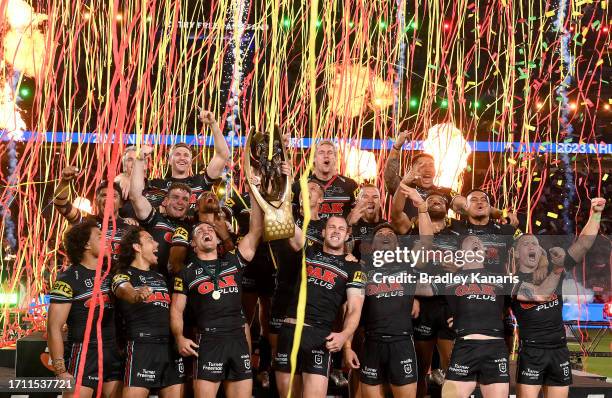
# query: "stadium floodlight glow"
[[25, 92], [446, 144], [9, 298], [83, 204]]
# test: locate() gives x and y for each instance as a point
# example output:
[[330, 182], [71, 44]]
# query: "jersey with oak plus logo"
[[338, 196], [477, 308], [389, 295], [328, 276], [216, 309], [540, 324], [150, 318]]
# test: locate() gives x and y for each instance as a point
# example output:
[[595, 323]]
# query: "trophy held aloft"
[[274, 192]]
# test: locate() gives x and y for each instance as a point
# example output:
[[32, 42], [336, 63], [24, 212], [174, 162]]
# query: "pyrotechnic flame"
[[21, 15], [24, 43], [360, 165], [355, 86], [381, 93], [349, 90], [83, 204], [446, 144], [10, 116]]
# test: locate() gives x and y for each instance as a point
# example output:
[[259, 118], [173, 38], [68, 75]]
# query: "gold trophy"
[[274, 193]]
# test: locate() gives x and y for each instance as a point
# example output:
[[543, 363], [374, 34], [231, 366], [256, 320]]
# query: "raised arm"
[[222, 151], [426, 233], [399, 219], [589, 233], [248, 245], [142, 207], [60, 196], [392, 168]]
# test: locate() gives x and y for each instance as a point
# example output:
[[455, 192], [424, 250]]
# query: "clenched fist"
[[69, 172], [207, 117], [598, 204]]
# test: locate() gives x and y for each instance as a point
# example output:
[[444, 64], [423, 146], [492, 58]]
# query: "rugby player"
[[544, 360], [212, 287], [332, 278], [71, 297], [144, 301]]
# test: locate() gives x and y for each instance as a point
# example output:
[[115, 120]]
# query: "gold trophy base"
[[278, 222]]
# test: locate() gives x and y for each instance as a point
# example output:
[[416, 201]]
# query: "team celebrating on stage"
[[181, 277]]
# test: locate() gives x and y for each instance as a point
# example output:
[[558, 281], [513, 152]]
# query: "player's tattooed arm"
[[392, 168], [61, 195], [538, 293], [587, 237]]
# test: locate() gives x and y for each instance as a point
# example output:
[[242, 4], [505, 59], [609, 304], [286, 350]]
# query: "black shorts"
[[278, 312], [223, 357], [544, 366], [111, 361], [313, 357], [509, 319], [259, 275], [484, 361], [432, 321], [392, 362], [153, 365]]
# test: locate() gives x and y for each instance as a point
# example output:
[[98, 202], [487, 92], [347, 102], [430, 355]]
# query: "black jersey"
[[166, 231], [220, 311], [75, 286], [389, 295], [444, 242], [158, 188], [477, 307], [116, 228], [412, 211], [497, 240], [290, 262], [314, 233], [540, 324], [363, 233], [114, 233], [328, 278], [239, 208], [151, 318], [338, 198]]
